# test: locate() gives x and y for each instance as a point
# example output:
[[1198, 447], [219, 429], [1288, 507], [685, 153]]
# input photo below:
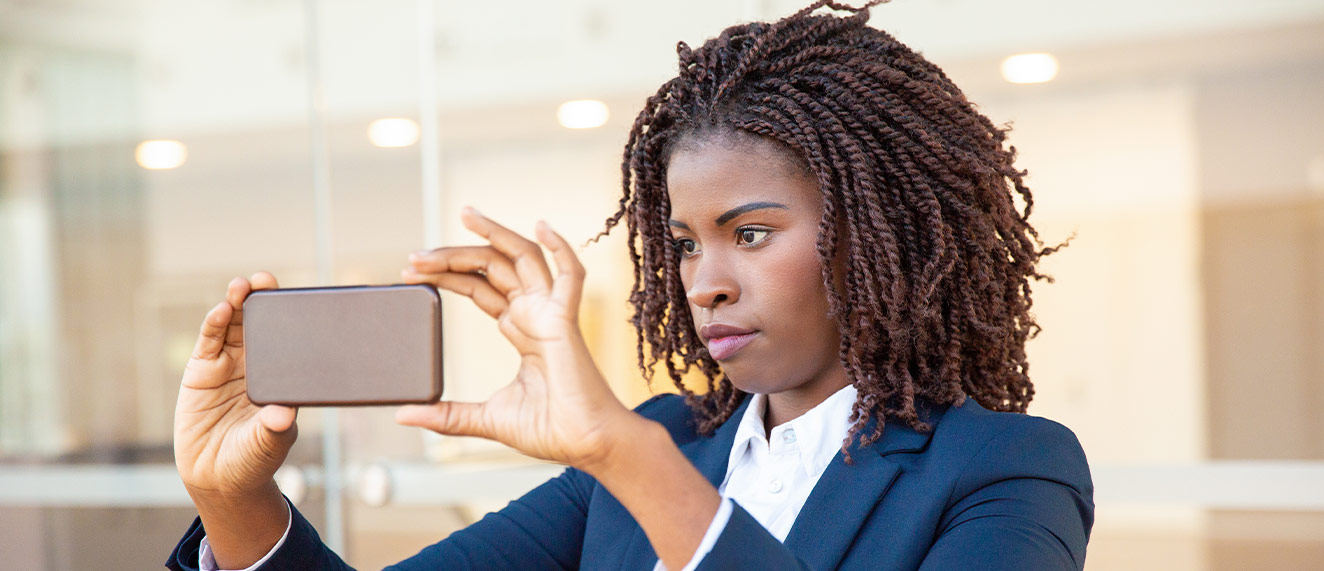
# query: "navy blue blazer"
[[983, 490]]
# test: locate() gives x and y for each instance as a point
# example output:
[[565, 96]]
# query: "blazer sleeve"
[[745, 544], [544, 529], [1025, 502], [303, 549]]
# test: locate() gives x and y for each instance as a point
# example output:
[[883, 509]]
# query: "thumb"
[[277, 418], [445, 417]]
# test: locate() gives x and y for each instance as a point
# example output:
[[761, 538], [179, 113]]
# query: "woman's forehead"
[[711, 181]]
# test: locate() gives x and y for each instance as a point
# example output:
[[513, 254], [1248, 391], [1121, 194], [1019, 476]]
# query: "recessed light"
[[582, 114], [393, 132], [160, 154], [1029, 68]]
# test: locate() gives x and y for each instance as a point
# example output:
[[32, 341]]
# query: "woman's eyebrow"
[[737, 211], [734, 212]]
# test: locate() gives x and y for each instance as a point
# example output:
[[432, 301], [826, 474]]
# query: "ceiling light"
[[582, 114], [393, 132], [1029, 68], [161, 154]]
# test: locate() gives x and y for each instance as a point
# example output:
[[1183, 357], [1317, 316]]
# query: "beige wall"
[[1186, 323]]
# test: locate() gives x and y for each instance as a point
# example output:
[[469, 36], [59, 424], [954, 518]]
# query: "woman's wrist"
[[242, 527], [673, 503], [213, 500], [628, 435]]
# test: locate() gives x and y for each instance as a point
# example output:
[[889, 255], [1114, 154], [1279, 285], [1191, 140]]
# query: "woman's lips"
[[724, 347]]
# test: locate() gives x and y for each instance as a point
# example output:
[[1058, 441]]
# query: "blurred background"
[[150, 150]]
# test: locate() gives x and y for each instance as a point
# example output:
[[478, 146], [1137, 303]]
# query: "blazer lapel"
[[845, 495], [710, 455]]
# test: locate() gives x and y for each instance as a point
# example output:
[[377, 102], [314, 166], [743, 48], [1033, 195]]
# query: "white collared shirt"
[[770, 477]]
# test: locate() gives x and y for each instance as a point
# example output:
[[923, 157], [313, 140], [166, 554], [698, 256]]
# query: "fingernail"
[[473, 211]]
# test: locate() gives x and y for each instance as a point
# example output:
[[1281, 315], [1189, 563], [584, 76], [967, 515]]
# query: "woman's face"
[[745, 220]]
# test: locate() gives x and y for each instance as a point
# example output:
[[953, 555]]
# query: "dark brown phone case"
[[342, 346]]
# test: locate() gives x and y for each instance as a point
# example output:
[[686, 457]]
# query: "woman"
[[823, 225]]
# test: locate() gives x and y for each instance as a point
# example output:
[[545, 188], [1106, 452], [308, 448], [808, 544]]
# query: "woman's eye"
[[749, 236], [685, 246]]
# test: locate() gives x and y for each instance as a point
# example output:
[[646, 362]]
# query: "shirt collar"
[[819, 432]]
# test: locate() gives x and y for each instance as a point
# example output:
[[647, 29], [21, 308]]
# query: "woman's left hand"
[[558, 407]]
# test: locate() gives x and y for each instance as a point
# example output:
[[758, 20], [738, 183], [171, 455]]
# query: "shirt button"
[[788, 437], [775, 486]]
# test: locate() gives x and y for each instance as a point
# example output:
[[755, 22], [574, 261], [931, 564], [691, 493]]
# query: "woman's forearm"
[[671, 500], [242, 529]]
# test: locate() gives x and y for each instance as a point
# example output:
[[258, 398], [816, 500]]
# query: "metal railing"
[[1267, 485]]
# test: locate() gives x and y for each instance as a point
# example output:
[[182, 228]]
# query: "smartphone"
[[343, 346]]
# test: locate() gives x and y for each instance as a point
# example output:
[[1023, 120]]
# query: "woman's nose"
[[712, 285]]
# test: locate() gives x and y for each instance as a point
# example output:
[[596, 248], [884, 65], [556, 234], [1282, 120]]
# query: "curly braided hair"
[[916, 188]]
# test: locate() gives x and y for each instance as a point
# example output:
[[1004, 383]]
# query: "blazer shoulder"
[[670, 411], [1010, 480], [1007, 445]]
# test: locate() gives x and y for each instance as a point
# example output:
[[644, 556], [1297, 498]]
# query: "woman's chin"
[[755, 387]]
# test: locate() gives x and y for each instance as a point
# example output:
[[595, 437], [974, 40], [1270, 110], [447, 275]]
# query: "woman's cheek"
[[808, 276]]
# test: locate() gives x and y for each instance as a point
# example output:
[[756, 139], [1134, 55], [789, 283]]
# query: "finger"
[[498, 268], [473, 286], [214, 327], [257, 282], [446, 417], [263, 280], [235, 293], [568, 286], [277, 418], [527, 256]]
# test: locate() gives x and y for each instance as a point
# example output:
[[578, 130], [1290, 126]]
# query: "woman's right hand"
[[226, 446]]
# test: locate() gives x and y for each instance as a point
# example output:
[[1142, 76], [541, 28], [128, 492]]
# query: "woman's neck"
[[790, 404]]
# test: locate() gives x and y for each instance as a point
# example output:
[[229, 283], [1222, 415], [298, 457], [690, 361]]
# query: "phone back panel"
[[357, 345]]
